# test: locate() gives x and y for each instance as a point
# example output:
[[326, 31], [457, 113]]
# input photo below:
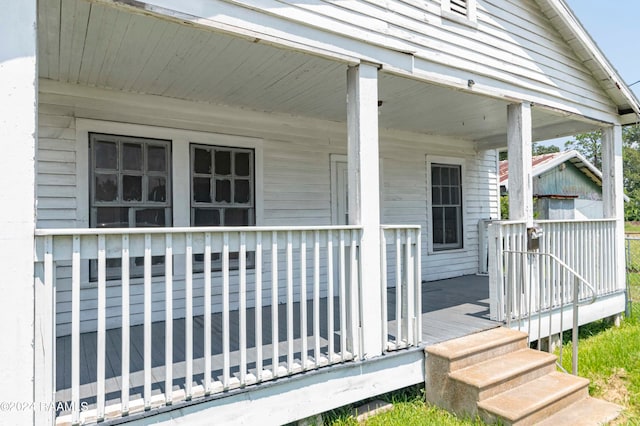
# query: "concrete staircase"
[[495, 375]]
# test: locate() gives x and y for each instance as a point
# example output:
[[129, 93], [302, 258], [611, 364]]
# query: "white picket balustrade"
[[218, 308], [521, 285], [400, 272]]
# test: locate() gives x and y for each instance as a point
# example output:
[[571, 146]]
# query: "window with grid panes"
[[222, 192], [130, 187], [446, 206]]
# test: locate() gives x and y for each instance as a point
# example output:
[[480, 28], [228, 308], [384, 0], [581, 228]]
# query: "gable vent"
[[459, 6]]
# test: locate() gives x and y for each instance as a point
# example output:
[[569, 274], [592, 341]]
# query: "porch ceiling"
[[99, 45]]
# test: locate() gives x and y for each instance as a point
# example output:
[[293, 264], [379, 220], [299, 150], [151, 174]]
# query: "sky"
[[614, 26]]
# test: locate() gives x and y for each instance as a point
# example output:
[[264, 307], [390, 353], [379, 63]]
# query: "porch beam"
[[20, 359], [519, 151], [613, 193], [364, 196]]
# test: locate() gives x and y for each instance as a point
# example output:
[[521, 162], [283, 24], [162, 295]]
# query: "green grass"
[[610, 358], [409, 409], [632, 227]]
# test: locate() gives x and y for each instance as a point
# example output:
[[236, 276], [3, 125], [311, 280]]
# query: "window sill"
[[432, 252]]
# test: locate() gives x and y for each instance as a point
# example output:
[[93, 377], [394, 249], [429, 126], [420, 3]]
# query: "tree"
[[504, 207], [536, 149], [631, 167]]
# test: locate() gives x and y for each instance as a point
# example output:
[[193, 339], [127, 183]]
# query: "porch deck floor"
[[451, 308], [454, 308]]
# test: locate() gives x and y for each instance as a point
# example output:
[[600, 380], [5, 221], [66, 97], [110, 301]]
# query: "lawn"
[[632, 227], [409, 409], [608, 356]]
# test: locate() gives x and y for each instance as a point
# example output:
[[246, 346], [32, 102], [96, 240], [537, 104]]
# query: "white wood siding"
[[296, 187], [56, 166], [405, 196], [512, 48]]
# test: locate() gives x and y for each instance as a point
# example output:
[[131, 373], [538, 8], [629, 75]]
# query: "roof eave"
[[629, 112]]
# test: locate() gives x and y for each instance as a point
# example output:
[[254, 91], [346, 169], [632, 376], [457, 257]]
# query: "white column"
[[519, 146], [364, 195], [18, 103], [613, 192]]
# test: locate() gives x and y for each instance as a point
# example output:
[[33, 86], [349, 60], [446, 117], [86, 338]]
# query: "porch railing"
[[588, 247], [279, 300], [584, 247], [400, 271]]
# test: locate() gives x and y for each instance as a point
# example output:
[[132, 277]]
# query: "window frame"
[[136, 271], [434, 248], [222, 204], [470, 19], [179, 160], [216, 261], [94, 204]]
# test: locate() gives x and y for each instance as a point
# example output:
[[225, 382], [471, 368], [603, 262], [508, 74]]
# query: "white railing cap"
[[386, 227], [577, 221], [184, 230]]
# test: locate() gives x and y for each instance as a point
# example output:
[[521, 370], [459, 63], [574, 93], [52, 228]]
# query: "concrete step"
[[453, 355], [488, 378], [534, 401], [586, 412], [478, 347]]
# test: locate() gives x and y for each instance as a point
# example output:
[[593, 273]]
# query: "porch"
[[451, 308], [133, 315], [137, 323]]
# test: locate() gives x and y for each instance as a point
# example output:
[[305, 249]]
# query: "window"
[[222, 192], [130, 187], [463, 11], [446, 206], [129, 182], [222, 182]]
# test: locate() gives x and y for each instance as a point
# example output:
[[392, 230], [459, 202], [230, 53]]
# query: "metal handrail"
[[567, 267], [575, 304]]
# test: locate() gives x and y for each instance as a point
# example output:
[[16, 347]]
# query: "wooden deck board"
[[451, 308], [454, 308]]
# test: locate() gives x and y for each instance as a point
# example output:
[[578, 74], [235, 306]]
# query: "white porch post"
[[612, 192], [364, 195], [18, 101], [520, 196], [519, 150]]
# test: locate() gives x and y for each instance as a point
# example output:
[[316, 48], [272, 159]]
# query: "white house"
[[187, 182]]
